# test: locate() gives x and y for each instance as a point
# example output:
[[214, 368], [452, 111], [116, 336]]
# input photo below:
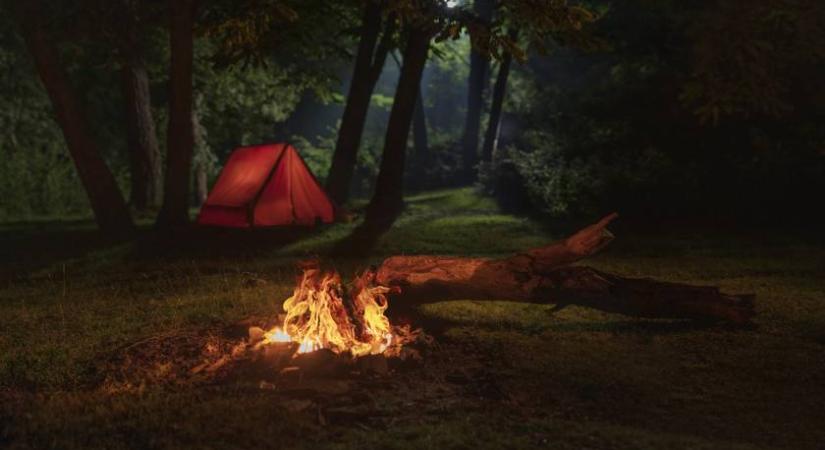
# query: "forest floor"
[[501, 375]]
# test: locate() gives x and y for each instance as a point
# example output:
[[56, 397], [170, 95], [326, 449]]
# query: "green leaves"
[[754, 58]]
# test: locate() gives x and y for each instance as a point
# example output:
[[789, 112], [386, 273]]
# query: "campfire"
[[323, 313], [333, 329]]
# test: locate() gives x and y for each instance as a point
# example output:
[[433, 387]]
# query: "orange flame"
[[317, 317]]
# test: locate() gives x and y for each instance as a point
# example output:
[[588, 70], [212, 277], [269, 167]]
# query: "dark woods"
[[560, 109]]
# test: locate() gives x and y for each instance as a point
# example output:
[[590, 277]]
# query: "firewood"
[[546, 275]]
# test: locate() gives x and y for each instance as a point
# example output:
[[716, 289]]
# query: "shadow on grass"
[[27, 246], [208, 242], [361, 242], [438, 323]]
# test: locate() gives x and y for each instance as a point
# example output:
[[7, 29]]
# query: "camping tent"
[[266, 185]]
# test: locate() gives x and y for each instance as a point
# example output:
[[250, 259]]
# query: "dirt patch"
[[227, 354]]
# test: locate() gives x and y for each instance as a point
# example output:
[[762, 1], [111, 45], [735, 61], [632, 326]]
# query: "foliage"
[[444, 86], [37, 176], [436, 169], [236, 105], [755, 58], [317, 155], [592, 132]]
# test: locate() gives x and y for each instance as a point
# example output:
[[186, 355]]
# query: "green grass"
[[503, 375]]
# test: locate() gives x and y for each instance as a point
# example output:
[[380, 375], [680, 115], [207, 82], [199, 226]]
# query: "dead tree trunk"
[[545, 275]]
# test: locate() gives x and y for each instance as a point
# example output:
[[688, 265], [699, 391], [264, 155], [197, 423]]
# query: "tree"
[[144, 154], [419, 121], [550, 22], [476, 85], [110, 211], [203, 158], [369, 62], [180, 139], [420, 141], [436, 18], [387, 201], [754, 59], [494, 123]]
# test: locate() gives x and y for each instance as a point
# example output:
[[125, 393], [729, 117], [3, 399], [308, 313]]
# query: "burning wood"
[[322, 314]]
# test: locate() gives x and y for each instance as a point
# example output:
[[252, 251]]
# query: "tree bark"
[[201, 188], [476, 84], [545, 275], [387, 201], [175, 210], [494, 124], [201, 149], [369, 62], [420, 141], [144, 154], [108, 205]]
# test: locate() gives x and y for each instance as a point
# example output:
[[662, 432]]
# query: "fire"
[[322, 314]]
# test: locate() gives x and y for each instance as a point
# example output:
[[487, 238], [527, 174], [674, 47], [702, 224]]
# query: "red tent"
[[266, 185]]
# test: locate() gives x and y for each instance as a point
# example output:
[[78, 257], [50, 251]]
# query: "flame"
[[317, 316]]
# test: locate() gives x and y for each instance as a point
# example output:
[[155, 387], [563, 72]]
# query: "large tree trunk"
[[144, 155], [494, 124], [175, 210], [476, 84], [369, 62], [387, 200], [545, 275], [420, 141], [110, 210]]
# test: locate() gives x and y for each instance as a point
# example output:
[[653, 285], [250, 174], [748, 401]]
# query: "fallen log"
[[546, 275]]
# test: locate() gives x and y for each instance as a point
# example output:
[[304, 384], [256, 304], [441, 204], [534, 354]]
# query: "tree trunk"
[[476, 84], [201, 188], [369, 61], [201, 158], [387, 200], [144, 155], [110, 210], [420, 141], [494, 125], [175, 210], [545, 275]]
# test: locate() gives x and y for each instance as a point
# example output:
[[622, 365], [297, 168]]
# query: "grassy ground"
[[503, 375]]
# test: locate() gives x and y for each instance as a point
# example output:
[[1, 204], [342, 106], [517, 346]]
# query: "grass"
[[503, 375]]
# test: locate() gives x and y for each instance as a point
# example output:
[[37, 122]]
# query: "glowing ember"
[[320, 315]]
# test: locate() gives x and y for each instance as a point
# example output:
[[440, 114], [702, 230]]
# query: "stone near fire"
[[319, 362], [277, 354], [256, 334]]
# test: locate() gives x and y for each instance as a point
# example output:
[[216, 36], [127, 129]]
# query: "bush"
[[40, 182]]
